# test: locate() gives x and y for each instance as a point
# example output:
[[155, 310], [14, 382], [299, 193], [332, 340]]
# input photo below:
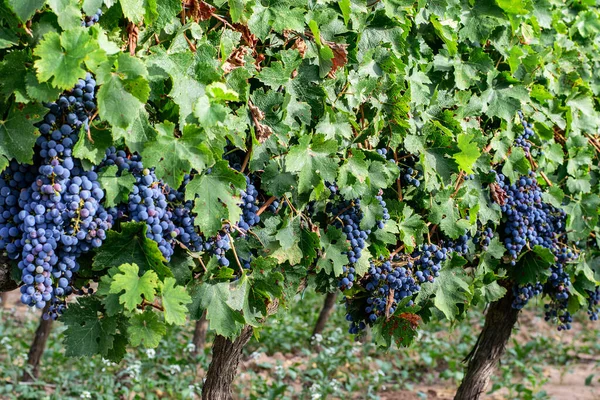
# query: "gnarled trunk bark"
[[36, 351], [224, 365], [326, 311], [199, 339], [499, 321]]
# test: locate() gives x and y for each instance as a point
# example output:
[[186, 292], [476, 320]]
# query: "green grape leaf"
[[174, 300], [61, 57], [214, 298], [140, 10], [117, 188], [136, 288], [25, 8], [216, 197], [516, 165], [138, 133], [469, 153], [91, 6], [452, 288], [186, 89], [130, 246], [174, 157], [312, 161], [18, 135], [95, 150], [181, 265], [89, 332], [67, 11], [124, 90], [410, 228], [209, 113], [353, 175], [533, 266], [333, 246], [13, 71], [43, 91], [146, 329]]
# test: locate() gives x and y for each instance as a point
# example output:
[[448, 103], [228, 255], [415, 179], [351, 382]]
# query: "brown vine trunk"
[[326, 311], [37, 350], [199, 339], [488, 350], [224, 365]]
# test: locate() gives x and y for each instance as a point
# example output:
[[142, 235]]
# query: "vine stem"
[[89, 133], [266, 205], [246, 159], [147, 303], [398, 181], [235, 253], [459, 182]]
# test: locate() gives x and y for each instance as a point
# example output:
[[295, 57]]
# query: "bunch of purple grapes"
[[58, 215]]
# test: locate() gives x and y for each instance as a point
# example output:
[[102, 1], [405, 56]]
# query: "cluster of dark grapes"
[[593, 302], [384, 278], [557, 288], [532, 222], [483, 236], [89, 21], [146, 202], [273, 206], [58, 215], [249, 206], [523, 139], [348, 217], [529, 220], [525, 293], [402, 276], [408, 171]]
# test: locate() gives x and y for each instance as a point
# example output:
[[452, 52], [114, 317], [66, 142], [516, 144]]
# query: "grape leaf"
[[174, 299], [174, 157], [25, 8], [411, 227], [181, 265], [43, 91], [18, 135], [124, 90], [451, 288], [140, 10], [93, 151], [333, 247], [312, 161], [61, 57], [138, 133], [216, 197], [67, 12], [469, 153], [13, 70], [533, 266], [214, 298], [130, 246], [117, 188], [91, 6], [136, 288], [146, 329], [89, 332], [186, 89], [352, 176]]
